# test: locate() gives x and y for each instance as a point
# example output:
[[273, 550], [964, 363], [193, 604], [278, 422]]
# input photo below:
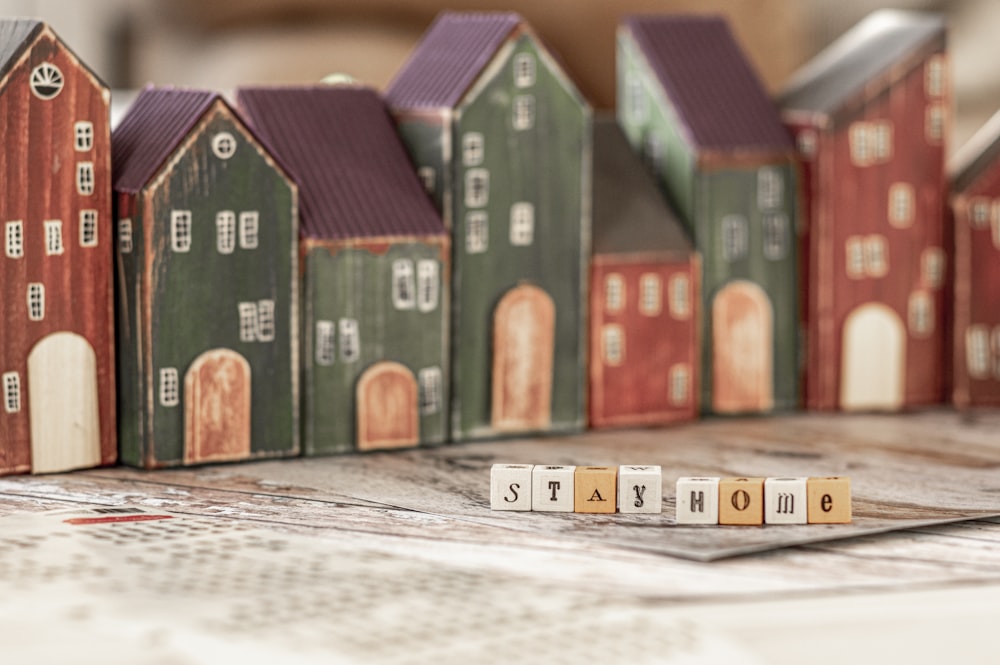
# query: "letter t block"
[[640, 489], [552, 488], [596, 489], [697, 501], [510, 487]]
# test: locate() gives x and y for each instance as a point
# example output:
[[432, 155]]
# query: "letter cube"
[[697, 501], [785, 501], [510, 487], [829, 500], [640, 489], [741, 501], [552, 488], [596, 489]]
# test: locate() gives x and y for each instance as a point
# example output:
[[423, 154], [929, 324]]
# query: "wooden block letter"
[[829, 500], [640, 489], [552, 488], [741, 501], [697, 500], [596, 489], [510, 487], [785, 501]]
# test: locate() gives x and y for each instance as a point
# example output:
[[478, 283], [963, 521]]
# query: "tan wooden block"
[[596, 489], [741, 501], [829, 500]]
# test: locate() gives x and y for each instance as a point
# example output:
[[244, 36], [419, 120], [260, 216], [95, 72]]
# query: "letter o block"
[[697, 501], [552, 488], [785, 501], [510, 487], [829, 500], [596, 489], [741, 501], [640, 489]]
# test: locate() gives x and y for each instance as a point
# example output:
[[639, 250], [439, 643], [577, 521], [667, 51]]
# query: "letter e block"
[[785, 501], [510, 487], [829, 500], [640, 489], [552, 488], [697, 500], [741, 501], [596, 489]]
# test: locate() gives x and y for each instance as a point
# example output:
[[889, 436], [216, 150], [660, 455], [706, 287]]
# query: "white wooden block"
[[640, 489], [697, 501], [785, 501], [510, 486], [552, 488]]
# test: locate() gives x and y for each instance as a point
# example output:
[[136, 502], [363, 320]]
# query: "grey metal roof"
[[15, 36], [976, 156]]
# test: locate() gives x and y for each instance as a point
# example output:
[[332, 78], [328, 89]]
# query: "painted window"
[[524, 112], [614, 293], [934, 76], [404, 290], [36, 301], [775, 227], [11, 392], [248, 321], [429, 379], [88, 228], [180, 230], [920, 314], [770, 188], [265, 320], [83, 135], [901, 205], [680, 297], [477, 188], [473, 149], [855, 257], [325, 349], [636, 109], [477, 232], [934, 124], [428, 177], [979, 212], [680, 381], [876, 256], [652, 152], [125, 235], [428, 285], [871, 142], [735, 240], [806, 141], [882, 131], [53, 237], [977, 351], [524, 70], [14, 235], [249, 229], [613, 344], [932, 265], [85, 178], [225, 231], [224, 145], [46, 81], [522, 224], [350, 340], [170, 389], [650, 295]]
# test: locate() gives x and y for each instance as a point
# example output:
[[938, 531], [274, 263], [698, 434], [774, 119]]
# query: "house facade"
[[207, 261], [56, 289], [870, 120], [501, 139]]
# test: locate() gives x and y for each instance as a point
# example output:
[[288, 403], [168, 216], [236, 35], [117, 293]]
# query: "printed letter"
[[513, 489], [596, 493], [639, 491], [554, 485], [697, 501]]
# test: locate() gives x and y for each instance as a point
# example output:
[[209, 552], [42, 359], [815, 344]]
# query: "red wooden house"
[[869, 115], [643, 297], [56, 301]]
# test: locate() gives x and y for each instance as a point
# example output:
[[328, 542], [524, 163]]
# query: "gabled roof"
[[449, 58], [630, 213], [15, 36], [716, 94], [340, 145], [864, 61], [977, 155]]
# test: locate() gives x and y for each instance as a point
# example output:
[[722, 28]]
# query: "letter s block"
[[640, 489], [829, 500], [596, 489], [785, 501], [510, 486], [552, 488], [697, 501], [741, 501]]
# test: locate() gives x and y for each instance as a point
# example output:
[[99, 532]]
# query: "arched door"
[[217, 407], [742, 349], [62, 396], [523, 346], [873, 361], [387, 403]]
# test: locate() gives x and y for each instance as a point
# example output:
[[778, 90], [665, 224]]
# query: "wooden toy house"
[[869, 116], [501, 138], [207, 285], [643, 295], [690, 103], [375, 265], [56, 290]]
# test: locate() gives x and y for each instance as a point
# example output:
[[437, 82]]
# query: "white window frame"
[[807, 141], [523, 113], [525, 70], [249, 229], [876, 255], [860, 138], [83, 135], [650, 294], [902, 205], [933, 262], [882, 140], [473, 149], [428, 285], [775, 235], [350, 340], [265, 320], [170, 387], [11, 392], [980, 210], [180, 230], [770, 188], [53, 237], [614, 293], [680, 385], [680, 296], [48, 75], [224, 145], [977, 351], [477, 232], [248, 321], [652, 151], [920, 314], [88, 228], [429, 381], [225, 232], [14, 239], [734, 235], [934, 76], [613, 344], [326, 349], [428, 176], [36, 301], [522, 224], [854, 250], [404, 285], [934, 123], [477, 196], [636, 102], [125, 238], [85, 178]]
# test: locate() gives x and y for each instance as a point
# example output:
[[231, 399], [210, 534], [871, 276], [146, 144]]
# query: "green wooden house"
[[501, 138], [207, 283], [692, 104]]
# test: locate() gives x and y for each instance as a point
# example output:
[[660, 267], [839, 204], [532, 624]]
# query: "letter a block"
[[785, 501], [552, 488], [741, 501], [829, 500], [697, 501], [640, 489], [510, 487], [596, 489]]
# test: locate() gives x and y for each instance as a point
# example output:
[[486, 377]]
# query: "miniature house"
[[869, 118], [643, 297], [56, 289], [375, 253], [690, 103], [501, 139], [208, 287]]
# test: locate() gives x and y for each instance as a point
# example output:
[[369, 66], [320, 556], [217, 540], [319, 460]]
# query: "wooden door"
[[742, 349], [63, 399], [217, 407], [873, 360], [523, 346], [387, 403]]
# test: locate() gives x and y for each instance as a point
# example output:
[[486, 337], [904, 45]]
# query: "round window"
[[224, 145], [46, 81]]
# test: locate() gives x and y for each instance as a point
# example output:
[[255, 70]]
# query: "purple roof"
[[710, 83], [449, 58], [340, 145]]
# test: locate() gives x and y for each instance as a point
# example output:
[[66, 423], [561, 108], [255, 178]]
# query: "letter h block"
[[785, 501], [596, 489], [552, 488], [510, 487], [697, 501], [640, 489]]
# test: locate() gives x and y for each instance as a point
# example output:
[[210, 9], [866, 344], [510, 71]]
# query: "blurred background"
[[221, 44]]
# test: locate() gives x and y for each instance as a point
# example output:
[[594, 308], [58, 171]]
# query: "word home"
[[580, 489], [757, 501]]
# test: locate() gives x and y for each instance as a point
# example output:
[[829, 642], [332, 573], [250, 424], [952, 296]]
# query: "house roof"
[[863, 62], [449, 58], [15, 36], [630, 213], [977, 155], [341, 147], [716, 94]]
